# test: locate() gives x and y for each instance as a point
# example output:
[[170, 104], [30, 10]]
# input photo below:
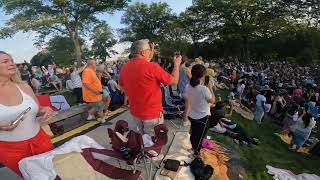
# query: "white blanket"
[[40, 167], [283, 174], [179, 150], [59, 102]]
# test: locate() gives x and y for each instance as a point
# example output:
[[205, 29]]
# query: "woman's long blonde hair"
[[15, 78]]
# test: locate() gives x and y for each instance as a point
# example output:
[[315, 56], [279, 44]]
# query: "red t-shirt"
[[297, 92], [141, 81]]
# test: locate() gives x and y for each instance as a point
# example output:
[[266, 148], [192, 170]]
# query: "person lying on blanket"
[[220, 123]]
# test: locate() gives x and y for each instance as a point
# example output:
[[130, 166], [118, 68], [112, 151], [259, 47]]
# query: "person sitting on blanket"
[[36, 84], [55, 81], [277, 106], [232, 94], [217, 113], [290, 118], [302, 130]]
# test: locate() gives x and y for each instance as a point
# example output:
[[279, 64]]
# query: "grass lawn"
[[272, 151], [70, 97]]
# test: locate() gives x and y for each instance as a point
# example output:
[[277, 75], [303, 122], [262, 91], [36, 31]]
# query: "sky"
[[21, 47]]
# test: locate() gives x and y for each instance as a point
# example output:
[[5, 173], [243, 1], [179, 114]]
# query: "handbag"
[[172, 165]]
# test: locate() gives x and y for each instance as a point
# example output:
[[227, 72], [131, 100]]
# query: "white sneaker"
[[186, 123], [91, 117], [218, 129], [102, 120]]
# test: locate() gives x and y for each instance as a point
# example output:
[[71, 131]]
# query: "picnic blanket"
[[59, 102], [242, 110], [287, 139], [217, 158], [179, 150], [40, 167], [283, 174]]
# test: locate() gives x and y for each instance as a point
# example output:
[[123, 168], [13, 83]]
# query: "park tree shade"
[[72, 18]]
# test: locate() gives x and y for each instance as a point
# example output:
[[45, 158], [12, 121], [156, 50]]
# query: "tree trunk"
[[77, 47]]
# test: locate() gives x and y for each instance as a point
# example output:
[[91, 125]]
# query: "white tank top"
[[27, 128]]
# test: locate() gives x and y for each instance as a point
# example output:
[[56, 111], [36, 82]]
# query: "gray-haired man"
[[141, 79]]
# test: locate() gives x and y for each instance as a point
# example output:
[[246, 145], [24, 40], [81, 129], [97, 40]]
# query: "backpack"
[[200, 170]]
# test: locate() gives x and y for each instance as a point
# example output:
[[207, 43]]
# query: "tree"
[[239, 22], [42, 58], [72, 18], [145, 21], [61, 50], [103, 39]]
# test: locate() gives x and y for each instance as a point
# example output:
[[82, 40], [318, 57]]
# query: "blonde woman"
[[25, 138]]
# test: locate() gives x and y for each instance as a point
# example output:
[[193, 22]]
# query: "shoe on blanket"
[[218, 129]]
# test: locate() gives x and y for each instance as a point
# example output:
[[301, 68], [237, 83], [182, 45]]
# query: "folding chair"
[[171, 98], [170, 107], [136, 144]]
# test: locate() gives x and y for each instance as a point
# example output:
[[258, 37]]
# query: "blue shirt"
[[183, 81]]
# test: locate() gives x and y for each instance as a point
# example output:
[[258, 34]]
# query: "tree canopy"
[[71, 18], [102, 39], [234, 29], [245, 30]]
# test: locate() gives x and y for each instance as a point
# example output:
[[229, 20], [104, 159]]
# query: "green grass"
[[272, 151], [70, 97]]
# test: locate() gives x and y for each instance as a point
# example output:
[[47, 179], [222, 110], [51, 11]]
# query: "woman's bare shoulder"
[[26, 88]]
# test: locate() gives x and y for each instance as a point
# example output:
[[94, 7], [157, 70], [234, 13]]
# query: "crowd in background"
[[284, 92], [281, 92]]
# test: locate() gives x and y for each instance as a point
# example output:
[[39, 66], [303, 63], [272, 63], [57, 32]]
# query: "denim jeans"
[[259, 114]]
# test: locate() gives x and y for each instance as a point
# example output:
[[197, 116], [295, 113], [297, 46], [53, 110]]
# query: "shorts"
[[146, 126], [12, 152], [105, 93], [99, 106]]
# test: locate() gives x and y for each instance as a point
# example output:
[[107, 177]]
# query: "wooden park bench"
[[68, 113], [65, 115]]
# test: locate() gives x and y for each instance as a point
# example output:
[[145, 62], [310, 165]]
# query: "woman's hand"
[[8, 127], [45, 113]]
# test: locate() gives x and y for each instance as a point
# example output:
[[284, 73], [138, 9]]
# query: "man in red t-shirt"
[[140, 79], [297, 92]]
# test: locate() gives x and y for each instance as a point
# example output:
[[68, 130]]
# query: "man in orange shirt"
[[92, 90]]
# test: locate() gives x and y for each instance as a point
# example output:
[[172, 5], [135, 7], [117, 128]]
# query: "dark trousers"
[[78, 93], [199, 128]]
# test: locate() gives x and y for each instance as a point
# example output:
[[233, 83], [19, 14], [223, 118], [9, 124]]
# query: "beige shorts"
[[146, 126]]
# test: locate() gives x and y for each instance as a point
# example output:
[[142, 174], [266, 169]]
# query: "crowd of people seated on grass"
[[280, 91], [285, 93], [42, 79]]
